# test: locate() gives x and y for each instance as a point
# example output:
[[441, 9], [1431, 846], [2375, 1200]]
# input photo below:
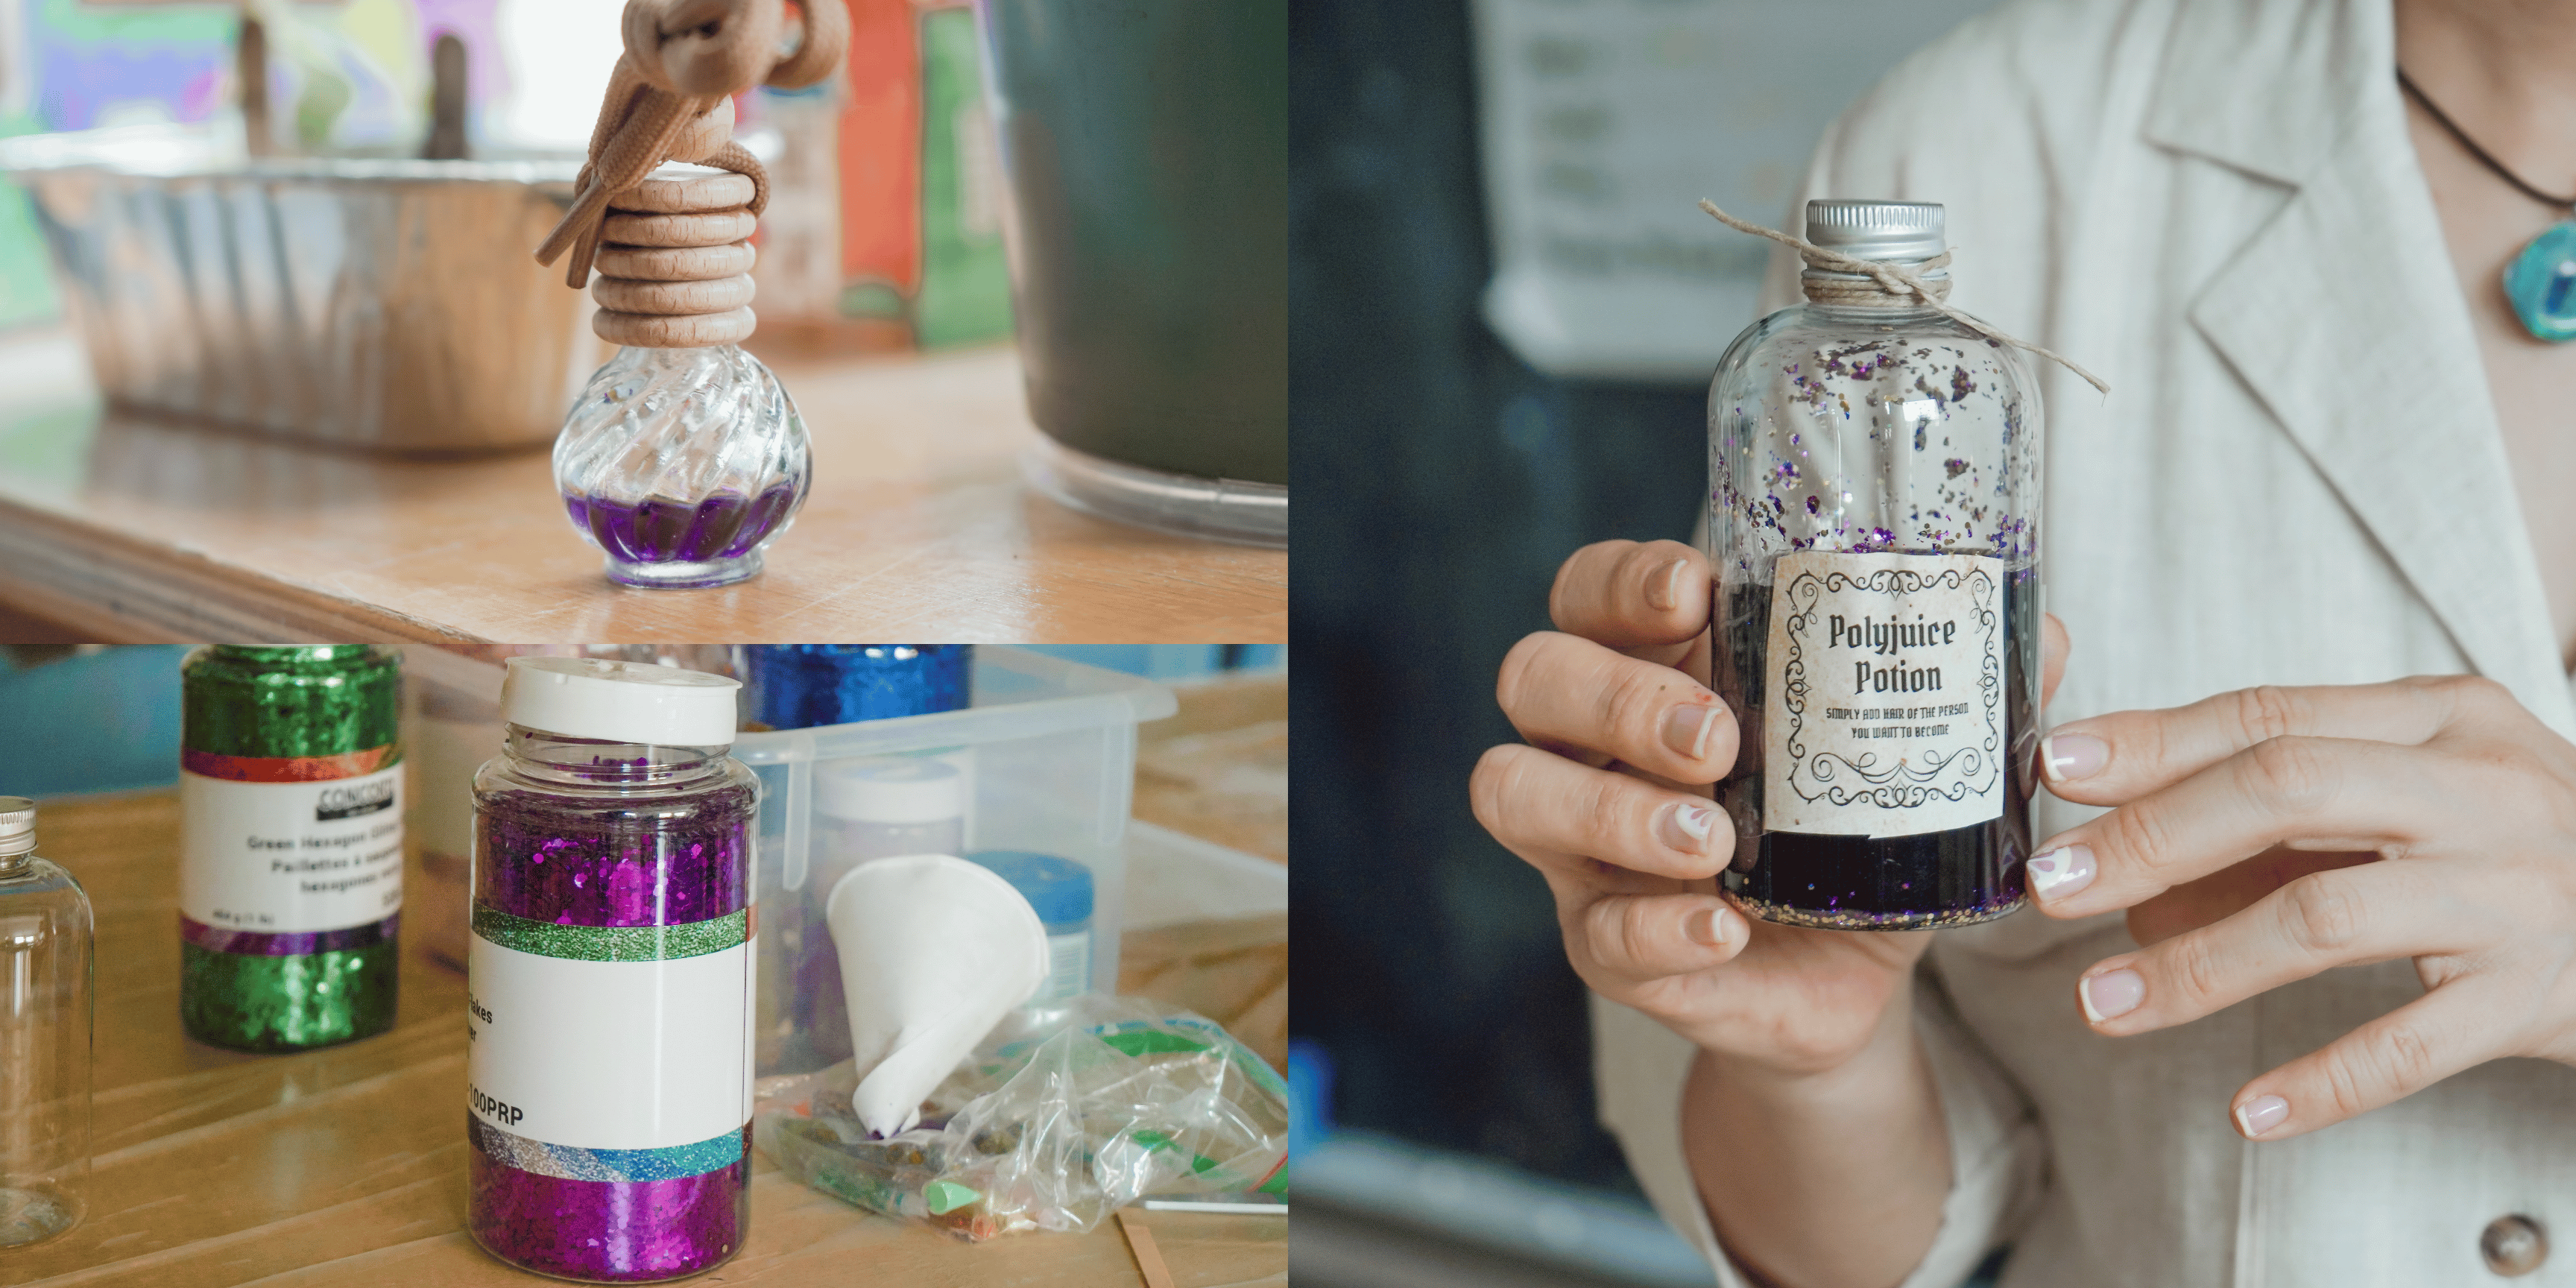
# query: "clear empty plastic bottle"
[[46, 1001], [682, 465]]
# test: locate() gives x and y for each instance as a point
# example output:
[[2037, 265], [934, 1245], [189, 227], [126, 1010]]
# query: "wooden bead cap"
[[675, 263]]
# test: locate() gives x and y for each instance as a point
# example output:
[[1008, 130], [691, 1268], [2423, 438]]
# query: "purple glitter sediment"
[[610, 1231], [566, 868], [251, 943], [726, 525]]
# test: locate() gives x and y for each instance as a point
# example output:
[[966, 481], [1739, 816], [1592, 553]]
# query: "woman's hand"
[[1609, 801], [1810, 1112], [2266, 835]]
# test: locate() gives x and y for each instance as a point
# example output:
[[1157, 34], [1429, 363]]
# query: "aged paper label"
[[1885, 714]]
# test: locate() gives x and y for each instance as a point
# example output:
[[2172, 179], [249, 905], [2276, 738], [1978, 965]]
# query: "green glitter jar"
[[290, 868]]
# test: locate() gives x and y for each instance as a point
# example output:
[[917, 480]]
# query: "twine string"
[[1891, 280]]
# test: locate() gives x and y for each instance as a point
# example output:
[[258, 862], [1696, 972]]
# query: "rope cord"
[[1888, 280]]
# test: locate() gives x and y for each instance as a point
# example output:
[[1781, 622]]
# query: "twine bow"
[[1897, 281]]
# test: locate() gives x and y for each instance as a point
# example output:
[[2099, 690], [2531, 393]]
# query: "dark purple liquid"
[[724, 526], [1961, 875]]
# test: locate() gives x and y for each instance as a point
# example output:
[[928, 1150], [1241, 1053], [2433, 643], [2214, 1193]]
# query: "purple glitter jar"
[[612, 926]]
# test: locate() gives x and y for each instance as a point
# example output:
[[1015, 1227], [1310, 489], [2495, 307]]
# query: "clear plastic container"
[[1052, 746]]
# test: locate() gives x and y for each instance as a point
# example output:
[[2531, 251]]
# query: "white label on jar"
[[1068, 967], [287, 858], [609, 1054], [1885, 676]]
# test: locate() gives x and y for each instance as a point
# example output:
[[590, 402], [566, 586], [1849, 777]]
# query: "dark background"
[[1440, 482]]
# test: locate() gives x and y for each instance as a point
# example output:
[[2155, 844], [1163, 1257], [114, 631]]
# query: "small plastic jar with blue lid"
[[1060, 890]]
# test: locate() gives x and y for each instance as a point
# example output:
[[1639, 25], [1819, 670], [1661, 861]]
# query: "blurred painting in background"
[[885, 229], [1503, 311], [886, 223]]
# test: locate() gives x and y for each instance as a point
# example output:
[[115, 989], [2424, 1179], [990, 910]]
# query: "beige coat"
[[2297, 479]]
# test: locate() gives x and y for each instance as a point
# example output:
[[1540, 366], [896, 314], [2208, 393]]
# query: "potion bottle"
[[684, 457], [1874, 527]]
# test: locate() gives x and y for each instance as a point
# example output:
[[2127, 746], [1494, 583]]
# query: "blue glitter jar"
[[802, 686]]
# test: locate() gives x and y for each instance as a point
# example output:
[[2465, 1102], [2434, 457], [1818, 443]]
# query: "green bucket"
[[1146, 144]]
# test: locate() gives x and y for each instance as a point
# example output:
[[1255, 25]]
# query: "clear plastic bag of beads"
[[1059, 1118]]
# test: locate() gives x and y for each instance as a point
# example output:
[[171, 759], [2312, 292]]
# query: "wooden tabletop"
[[122, 527], [347, 1166]]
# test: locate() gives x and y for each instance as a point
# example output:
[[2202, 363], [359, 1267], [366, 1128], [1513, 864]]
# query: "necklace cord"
[[2442, 118]]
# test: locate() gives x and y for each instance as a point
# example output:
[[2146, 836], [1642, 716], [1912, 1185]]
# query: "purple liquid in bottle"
[[682, 465], [727, 525], [611, 858]]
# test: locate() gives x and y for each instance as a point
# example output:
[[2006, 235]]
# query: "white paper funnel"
[[934, 952]]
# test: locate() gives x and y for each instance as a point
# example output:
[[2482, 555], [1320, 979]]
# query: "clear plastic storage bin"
[[1048, 752]]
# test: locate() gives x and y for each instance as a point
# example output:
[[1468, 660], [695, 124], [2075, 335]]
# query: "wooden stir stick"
[[1140, 1240]]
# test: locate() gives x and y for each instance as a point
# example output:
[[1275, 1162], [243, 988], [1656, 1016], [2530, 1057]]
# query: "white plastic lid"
[[890, 789], [638, 702]]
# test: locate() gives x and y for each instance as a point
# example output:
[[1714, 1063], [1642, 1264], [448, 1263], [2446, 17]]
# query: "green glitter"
[[612, 943], [313, 700], [306, 700], [288, 1003]]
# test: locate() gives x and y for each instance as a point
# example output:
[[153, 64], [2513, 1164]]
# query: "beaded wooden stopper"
[[675, 262]]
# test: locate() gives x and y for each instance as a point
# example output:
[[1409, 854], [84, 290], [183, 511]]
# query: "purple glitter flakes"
[[611, 1231], [563, 867]]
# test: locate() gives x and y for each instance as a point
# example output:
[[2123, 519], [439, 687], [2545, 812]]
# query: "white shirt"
[[2298, 479]]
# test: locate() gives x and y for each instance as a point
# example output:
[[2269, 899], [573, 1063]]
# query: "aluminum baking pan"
[[381, 304]]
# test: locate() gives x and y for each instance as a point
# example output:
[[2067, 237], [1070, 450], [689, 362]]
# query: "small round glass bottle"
[[46, 1018], [1874, 527], [682, 464], [610, 975]]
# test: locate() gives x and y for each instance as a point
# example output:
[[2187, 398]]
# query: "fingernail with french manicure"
[[1710, 927], [2261, 1114], [1686, 729], [1686, 827], [2069, 756], [2111, 994], [2058, 873], [1664, 586]]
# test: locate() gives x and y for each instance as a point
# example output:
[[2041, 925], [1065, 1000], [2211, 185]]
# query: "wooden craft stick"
[[1149, 1259]]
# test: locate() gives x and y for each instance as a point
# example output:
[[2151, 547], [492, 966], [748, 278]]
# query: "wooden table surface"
[[122, 527], [347, 1166]]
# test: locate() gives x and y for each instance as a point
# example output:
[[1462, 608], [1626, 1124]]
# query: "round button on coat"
[[2513, 1246]]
